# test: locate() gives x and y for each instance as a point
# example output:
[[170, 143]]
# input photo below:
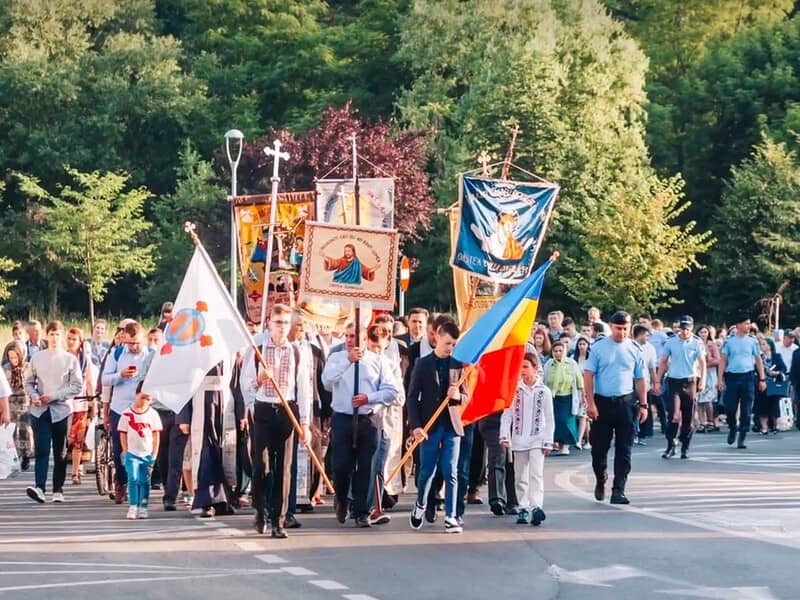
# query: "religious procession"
[[321, 396]]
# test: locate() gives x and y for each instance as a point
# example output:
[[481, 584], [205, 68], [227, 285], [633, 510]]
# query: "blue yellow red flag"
[[495, 345]]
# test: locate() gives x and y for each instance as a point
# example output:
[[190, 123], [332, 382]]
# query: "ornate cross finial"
[[510, 154], [484, 160], [276, 152], [191, 229]]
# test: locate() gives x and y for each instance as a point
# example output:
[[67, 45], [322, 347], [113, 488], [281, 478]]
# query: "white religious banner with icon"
[[205, 329], [336, 202], [349, 263]]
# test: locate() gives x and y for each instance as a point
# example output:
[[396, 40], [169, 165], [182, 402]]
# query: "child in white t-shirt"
[[139, 433], [527, 427]]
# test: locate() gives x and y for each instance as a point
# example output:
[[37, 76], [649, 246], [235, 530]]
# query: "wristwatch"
[[642, 405], [763, 379]]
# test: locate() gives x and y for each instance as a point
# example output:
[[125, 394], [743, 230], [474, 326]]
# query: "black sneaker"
[[362, 522], [279, 533], [670, 451], [341, 512], [291, 522], [25, 463], [684, 454], [731, 437], [537, 516], [498, 509], [35, 493], [169, 505], [430, 513], [259, 524], [417, 513], [619, 498]]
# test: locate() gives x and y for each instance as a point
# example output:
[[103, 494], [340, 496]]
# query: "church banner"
[[501, 227], [252, 221], [349, 263], [336, 202]]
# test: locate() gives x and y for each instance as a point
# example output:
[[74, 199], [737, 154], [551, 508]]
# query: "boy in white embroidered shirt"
[[527, 427], [139, 433]]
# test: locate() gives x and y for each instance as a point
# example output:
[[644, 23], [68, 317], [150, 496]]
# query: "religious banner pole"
[[276, 153], [357, 221]]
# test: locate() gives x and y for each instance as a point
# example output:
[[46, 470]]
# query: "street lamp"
[[237, 137]]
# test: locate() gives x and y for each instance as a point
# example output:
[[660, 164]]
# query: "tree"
[[574, 81], [94, 231], [759, 218], [388, 152], [197, 198]]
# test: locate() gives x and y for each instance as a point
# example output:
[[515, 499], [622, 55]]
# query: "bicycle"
[[104, 469]]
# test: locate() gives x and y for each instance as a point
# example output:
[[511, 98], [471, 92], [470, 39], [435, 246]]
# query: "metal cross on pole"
[[483, 160], [278, 155]]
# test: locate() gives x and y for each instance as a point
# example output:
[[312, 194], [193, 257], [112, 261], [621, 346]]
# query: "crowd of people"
[[357, 398]]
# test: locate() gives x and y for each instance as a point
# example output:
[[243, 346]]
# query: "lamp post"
[[237, 138]]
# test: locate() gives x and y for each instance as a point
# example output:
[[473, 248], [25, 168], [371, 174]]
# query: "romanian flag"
[[495, 346]]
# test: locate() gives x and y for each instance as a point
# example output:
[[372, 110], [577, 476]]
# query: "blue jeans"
[[45, 434], [441, 446], [121, 477], [378, 462], [138, 479], [464, 461]]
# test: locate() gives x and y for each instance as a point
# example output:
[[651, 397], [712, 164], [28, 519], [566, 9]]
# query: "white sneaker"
[[564, 451], [58, 497], [133, 512], [35, 493], [415, 520], [143, 512], [451, 525]]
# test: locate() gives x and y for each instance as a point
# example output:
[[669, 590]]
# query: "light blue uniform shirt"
[[741, 352], [615, 366], [658, 339], [683, 356]]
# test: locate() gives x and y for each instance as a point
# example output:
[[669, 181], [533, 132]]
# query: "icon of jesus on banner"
[[348, 269]]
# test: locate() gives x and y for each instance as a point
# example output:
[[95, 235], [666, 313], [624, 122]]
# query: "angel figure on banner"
[[348, 269], [502, 242]]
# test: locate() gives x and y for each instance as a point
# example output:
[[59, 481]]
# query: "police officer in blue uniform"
[[614, 367], [684, 361], [739, 360]]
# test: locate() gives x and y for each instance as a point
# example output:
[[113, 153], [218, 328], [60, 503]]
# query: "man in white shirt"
[[353, 452], [271, 430], [787, 347]]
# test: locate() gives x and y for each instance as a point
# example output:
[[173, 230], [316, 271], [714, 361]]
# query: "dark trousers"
[[647, 429], [685, 390], [499, 468], [353, 466], [170, 455], [740, 392], [271, 455], [477, 463], [47, 434], [464, 460], [121, 477], [615, 420]]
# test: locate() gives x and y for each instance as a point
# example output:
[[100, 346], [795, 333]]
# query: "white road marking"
[[328, 584], [249, 546], [66, 584], [358, 597], [595, 577], [270, 559], [298, 571], [743, 593]]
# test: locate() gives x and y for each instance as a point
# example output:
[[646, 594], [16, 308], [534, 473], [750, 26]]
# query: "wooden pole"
[[357, 221], [427, 427], [295, 424]]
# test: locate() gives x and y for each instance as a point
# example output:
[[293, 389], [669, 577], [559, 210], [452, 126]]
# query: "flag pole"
[[357, 221], [425, 429], [190, 229], [276, 153], [295, 423]]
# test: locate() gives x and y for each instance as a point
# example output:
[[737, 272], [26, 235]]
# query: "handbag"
[[777, 387]]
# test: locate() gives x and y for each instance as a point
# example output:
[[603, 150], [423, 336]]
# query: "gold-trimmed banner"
[[349, 263]]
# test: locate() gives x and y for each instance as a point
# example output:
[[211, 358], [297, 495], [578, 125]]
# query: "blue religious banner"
[[502, 226]]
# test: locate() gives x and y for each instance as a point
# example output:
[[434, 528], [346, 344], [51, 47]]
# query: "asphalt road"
[[723, 524]]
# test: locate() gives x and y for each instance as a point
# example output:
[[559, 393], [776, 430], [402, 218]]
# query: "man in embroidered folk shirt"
[[376, 388], [271, 430]]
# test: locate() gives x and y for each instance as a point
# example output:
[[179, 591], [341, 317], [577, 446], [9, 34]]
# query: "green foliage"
[[631, 251], [577, 84], [759, 219], [199, 199], [93, 231]]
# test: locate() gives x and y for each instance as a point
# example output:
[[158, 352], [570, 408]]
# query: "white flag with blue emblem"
[[205, 329]]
